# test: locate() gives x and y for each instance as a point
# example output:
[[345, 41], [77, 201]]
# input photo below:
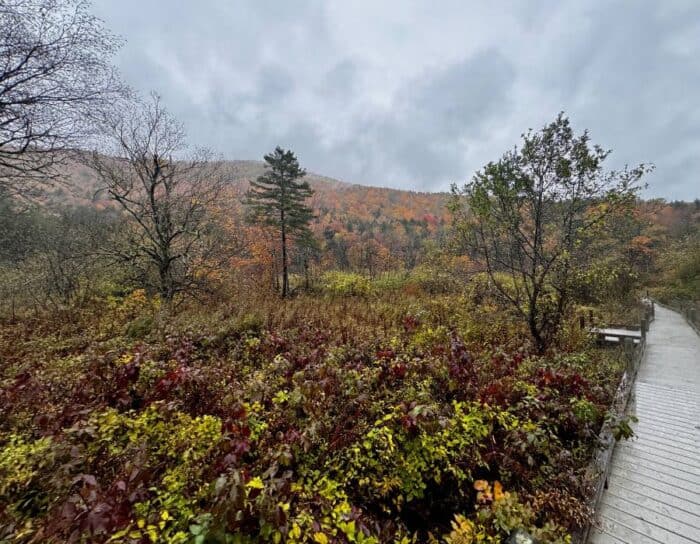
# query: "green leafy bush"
[[343, 284], [139, 327]]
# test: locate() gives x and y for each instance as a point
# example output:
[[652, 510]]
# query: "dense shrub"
[[139, 327], [339, 283], [350, 419], [679, 280], [434, 280]]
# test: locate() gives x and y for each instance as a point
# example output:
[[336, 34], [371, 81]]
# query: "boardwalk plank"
[[675, 479], [598, 536], [643, 528], [644, 514], [624, 487], [673, 447], [658, 470], [688, 518], [677, 457], [638, 480], [637, 453], [641, 430], [653, 493]]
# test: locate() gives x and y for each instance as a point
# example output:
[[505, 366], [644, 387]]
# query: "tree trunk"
[[540, 343], [535, 330], [167, 289], [285, 272]]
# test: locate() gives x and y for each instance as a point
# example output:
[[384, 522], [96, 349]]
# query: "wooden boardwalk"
[[653, 493]]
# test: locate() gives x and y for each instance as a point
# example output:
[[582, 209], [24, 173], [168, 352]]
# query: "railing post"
[[644, 327], [628, 347]]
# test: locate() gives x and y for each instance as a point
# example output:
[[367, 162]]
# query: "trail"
[[653, 493]]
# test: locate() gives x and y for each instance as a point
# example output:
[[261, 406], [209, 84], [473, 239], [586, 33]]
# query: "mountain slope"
[[334, 200]]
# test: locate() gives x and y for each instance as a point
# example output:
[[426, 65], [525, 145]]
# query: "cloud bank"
[[418, 94]]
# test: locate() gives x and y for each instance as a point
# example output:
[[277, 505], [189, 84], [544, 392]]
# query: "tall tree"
[[531, 215], [278, 200], [54, 74], [167, 193]]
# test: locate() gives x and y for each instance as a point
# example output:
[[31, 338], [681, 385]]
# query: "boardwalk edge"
[[599, 468]]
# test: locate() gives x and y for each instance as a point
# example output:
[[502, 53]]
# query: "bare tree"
[[168, 194], [54, 73]]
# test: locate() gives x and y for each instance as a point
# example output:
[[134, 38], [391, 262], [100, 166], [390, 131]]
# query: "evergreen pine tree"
[[277, 200]]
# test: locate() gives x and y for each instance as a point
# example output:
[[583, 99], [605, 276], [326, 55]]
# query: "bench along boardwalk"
[[653, 493]]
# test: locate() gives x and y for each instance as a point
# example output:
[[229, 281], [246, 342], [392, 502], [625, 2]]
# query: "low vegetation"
[[364, 419], [195, 350]]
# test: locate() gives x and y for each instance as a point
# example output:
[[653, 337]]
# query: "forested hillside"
[[368, 229]]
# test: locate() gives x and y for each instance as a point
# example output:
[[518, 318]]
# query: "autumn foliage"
[[358, 420]]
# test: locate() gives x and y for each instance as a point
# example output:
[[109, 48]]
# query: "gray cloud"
[[425, 134], [411, 94]]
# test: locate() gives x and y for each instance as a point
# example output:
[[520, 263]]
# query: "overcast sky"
[[417, 94]]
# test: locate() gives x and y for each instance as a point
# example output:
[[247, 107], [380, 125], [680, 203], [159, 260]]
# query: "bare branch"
[[54, 74]]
